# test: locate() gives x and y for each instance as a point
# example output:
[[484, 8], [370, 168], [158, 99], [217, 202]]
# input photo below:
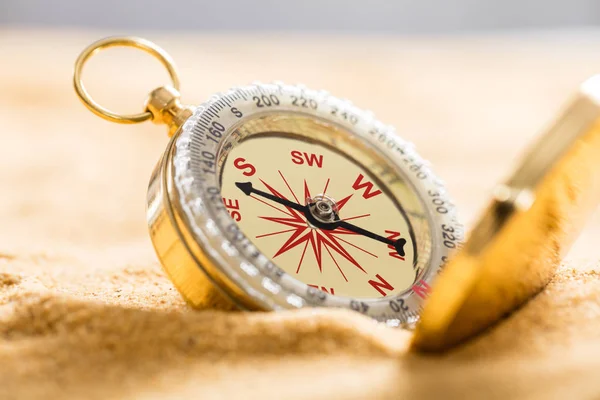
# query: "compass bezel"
[[230, 259]]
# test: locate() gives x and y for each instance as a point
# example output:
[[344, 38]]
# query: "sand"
[[86, 311]]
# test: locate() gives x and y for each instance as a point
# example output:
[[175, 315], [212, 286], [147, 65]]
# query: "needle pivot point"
[[323, 208]]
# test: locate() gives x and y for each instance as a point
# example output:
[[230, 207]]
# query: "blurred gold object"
[[529, 226]]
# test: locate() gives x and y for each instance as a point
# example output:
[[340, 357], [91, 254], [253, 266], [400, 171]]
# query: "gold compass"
[[274, 196]]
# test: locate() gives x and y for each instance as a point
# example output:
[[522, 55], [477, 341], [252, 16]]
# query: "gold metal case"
[[211, 261], [531, 223], [186, 264]]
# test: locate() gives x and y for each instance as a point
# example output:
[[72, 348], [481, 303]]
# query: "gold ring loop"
[[127, 41]]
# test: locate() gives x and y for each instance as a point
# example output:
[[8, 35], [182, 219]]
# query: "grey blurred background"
[[400, 16]]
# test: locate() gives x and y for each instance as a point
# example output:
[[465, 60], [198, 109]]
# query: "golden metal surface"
[[128, 41], [519, 241], [193, 272]]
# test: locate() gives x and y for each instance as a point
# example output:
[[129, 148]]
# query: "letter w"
[[368, 186]]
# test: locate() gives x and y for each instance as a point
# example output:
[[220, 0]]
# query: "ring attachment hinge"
[[165, 106]]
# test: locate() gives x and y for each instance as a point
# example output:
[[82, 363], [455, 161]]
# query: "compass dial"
[[330, 187], [286, 197]]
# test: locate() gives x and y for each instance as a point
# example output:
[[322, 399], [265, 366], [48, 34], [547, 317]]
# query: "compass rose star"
[[303, 235]]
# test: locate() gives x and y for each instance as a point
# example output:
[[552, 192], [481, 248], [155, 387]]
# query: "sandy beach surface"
[[86, 311]]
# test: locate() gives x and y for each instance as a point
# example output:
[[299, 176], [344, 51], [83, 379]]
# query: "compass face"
[[335, 259], [294, 198]]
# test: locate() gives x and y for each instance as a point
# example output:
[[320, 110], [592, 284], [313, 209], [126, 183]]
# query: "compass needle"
[[313, 215]]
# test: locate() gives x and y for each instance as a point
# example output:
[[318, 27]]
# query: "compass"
[[273, 196]]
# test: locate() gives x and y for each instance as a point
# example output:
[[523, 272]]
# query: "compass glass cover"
[[292, 197], [290, 190]]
